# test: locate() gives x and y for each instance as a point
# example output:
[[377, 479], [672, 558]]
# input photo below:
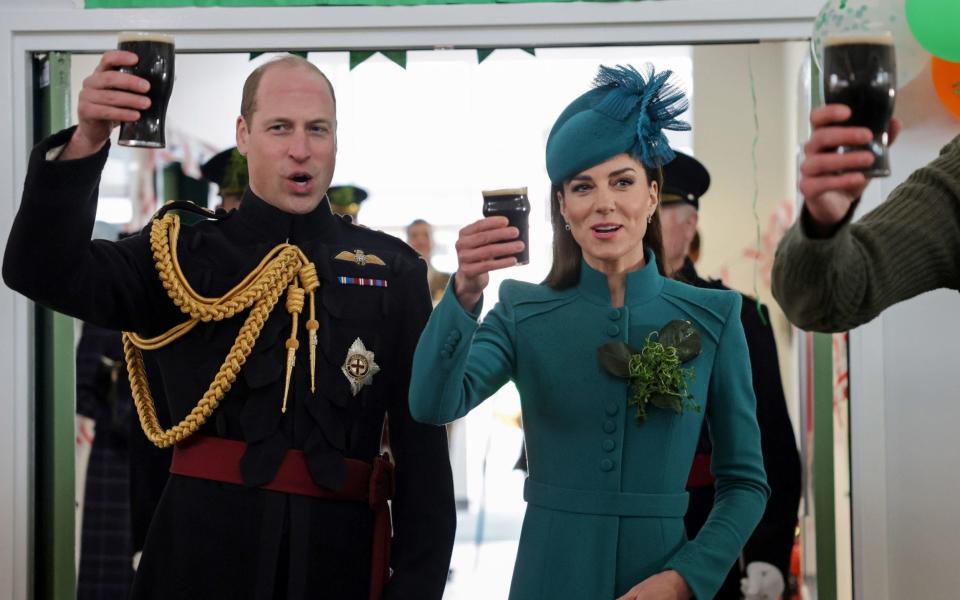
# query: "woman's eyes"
[[623, 182]]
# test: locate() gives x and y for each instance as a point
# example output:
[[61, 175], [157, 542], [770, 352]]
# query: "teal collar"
[[642, 285]]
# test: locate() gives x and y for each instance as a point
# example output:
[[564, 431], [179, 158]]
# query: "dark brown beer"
[[860, 71], [514, 205], [156, 52]]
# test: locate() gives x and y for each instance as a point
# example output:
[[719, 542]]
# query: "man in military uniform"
[[685, 181], [345, 200], [293, 328], [227, 169]]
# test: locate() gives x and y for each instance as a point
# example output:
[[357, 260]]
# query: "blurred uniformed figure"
[[228, 170], [420, 238], [345, 200], [767, 553]]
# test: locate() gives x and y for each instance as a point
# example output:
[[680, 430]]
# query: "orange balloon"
[[946, 80]]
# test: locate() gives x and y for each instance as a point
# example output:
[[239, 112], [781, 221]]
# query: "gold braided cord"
[[279, 270]]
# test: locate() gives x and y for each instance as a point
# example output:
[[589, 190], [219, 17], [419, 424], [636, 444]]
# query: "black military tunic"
[[773, 538], [218, 540]]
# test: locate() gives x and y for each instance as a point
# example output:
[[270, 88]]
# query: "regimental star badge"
[[360, 257], [359, 368]]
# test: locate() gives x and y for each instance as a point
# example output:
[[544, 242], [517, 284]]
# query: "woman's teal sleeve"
[[458, 363], [737, 463]]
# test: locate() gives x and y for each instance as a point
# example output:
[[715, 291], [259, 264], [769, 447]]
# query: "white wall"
[[723, 141], [905, 409]]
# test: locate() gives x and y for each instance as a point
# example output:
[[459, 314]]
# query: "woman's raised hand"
[[483, 246]]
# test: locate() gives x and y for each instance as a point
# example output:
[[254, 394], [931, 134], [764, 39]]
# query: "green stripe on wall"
[[55, 516], [279, 3], [823, 467]]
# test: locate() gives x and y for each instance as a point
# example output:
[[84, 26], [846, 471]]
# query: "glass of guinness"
[[156, 53], [860, 70], [515, 206]]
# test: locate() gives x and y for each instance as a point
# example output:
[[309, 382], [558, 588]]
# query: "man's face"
[[420, 239], [678, 222], [291, 141]]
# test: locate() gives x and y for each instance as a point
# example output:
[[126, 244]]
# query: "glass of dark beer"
[[515, 206], [156, 52], [860, 70]]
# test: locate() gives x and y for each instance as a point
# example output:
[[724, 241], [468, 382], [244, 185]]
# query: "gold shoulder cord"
[[284, 267]]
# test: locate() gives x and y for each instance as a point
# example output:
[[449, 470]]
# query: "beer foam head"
[[884, 38], [144, 36], [509, 192]]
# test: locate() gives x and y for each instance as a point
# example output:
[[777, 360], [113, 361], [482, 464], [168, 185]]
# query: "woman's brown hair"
[[565, 270]]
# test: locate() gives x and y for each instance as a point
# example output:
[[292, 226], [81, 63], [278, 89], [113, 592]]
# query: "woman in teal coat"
[[612, 397]]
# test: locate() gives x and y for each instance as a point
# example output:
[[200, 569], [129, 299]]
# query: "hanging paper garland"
[[946, 80], [936, 25], [397, 56], [864, 17]]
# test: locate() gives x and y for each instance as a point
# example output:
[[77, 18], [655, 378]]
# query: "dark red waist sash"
[[218, 459], [700, 475]]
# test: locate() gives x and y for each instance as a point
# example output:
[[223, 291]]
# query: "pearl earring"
[[650, 218], [566, 226]]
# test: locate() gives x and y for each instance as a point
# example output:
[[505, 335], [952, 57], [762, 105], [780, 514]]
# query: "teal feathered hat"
[[626, 111]]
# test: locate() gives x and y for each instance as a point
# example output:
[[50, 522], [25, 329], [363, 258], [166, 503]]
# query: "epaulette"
[[188, 207]]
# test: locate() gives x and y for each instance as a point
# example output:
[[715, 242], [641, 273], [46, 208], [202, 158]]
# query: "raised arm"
[[737, 463], [830, 275], [459, 363], [49, 256]]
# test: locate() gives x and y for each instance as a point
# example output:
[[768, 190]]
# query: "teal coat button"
[[606, 465]]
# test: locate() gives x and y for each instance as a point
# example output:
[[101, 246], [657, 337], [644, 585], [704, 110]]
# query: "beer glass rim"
[[145, 36], [504, 192]]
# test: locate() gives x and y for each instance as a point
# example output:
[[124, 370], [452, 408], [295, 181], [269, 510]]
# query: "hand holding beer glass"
[[495, 242], [115, 94], [852, 132]]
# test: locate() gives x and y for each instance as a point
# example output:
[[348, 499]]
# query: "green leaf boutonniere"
[[654, 372]]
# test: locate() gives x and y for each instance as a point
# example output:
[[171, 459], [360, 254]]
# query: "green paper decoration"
[[483, 53], [936, 25], [397, 56]]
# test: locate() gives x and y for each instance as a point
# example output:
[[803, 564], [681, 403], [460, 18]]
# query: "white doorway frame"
[[26, 31]]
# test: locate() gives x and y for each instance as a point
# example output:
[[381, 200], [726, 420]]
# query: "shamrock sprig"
[[654, 372]]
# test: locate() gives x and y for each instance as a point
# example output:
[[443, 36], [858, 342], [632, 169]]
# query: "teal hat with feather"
[[626, 111]]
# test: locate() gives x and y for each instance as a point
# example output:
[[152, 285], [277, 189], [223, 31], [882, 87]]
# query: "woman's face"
[[607, 207]]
